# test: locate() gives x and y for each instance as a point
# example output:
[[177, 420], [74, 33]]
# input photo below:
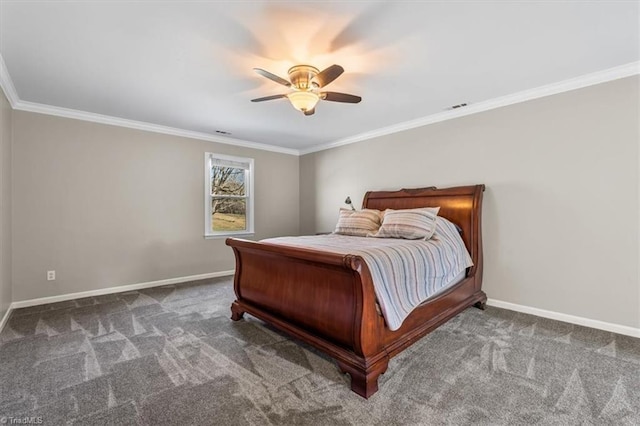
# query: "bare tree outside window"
[[228, 195], [228, 199]]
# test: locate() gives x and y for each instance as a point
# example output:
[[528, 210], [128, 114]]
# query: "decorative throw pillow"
[[411, 224], [359, 223]]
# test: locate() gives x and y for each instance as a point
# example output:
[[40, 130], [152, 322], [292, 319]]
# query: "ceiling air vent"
[[458, 106], [222, 132]]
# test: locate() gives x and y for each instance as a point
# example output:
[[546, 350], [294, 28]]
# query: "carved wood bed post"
[[372, 360], [477, 269]]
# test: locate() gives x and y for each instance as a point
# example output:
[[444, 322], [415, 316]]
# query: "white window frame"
[[208, 232]]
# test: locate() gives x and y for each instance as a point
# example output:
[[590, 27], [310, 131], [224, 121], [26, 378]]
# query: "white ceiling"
[[188, 65]]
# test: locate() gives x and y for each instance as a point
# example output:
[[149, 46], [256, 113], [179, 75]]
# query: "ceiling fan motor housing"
[[301, 77]]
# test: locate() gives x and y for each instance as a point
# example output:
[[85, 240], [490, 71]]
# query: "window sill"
[[227, 235]]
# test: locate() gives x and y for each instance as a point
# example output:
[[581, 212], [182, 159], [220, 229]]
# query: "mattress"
[[405, 273]]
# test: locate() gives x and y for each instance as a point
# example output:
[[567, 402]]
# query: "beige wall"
[[561, 205], [5, 205], [106, 206]]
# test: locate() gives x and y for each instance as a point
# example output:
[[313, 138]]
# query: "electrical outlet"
[[51, 275]]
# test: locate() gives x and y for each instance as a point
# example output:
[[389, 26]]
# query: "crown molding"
[[7, 84], [586, 80], [17, 104], [149, 127]]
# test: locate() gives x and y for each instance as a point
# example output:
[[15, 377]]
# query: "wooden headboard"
[[462, 205]]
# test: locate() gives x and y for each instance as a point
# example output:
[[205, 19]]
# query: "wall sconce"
[[348, 202]]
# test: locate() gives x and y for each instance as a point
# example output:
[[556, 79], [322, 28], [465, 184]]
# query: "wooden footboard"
[[324, 299], [328, 300]]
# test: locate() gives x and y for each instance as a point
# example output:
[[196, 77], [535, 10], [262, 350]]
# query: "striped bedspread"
[[405, 273]]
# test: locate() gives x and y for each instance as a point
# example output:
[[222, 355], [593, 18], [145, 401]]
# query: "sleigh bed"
[[327, 299]]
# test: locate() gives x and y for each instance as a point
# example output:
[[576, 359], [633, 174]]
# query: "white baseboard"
[[587, 322], [572, 319], [5, 318], [108, 290], [119, 289]]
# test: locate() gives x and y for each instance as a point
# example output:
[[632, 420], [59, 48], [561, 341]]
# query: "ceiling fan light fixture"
[[303, 101], [305, 83]]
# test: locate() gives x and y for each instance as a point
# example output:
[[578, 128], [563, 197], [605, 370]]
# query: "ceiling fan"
[[306, 82]]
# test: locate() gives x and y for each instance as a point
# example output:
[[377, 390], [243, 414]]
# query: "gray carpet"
[[170, 355]]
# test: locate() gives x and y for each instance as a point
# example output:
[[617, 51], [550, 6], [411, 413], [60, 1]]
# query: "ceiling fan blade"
[[310, 112], [273, 77], [328, 75], [268, 98], [340, 97]]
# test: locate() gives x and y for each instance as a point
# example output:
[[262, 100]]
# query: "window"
[[228, 195]]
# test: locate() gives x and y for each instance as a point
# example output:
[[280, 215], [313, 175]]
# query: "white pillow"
[[411, 224]]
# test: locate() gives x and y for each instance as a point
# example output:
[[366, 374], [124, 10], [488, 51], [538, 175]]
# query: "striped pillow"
[[411, 224], [359, 223]]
